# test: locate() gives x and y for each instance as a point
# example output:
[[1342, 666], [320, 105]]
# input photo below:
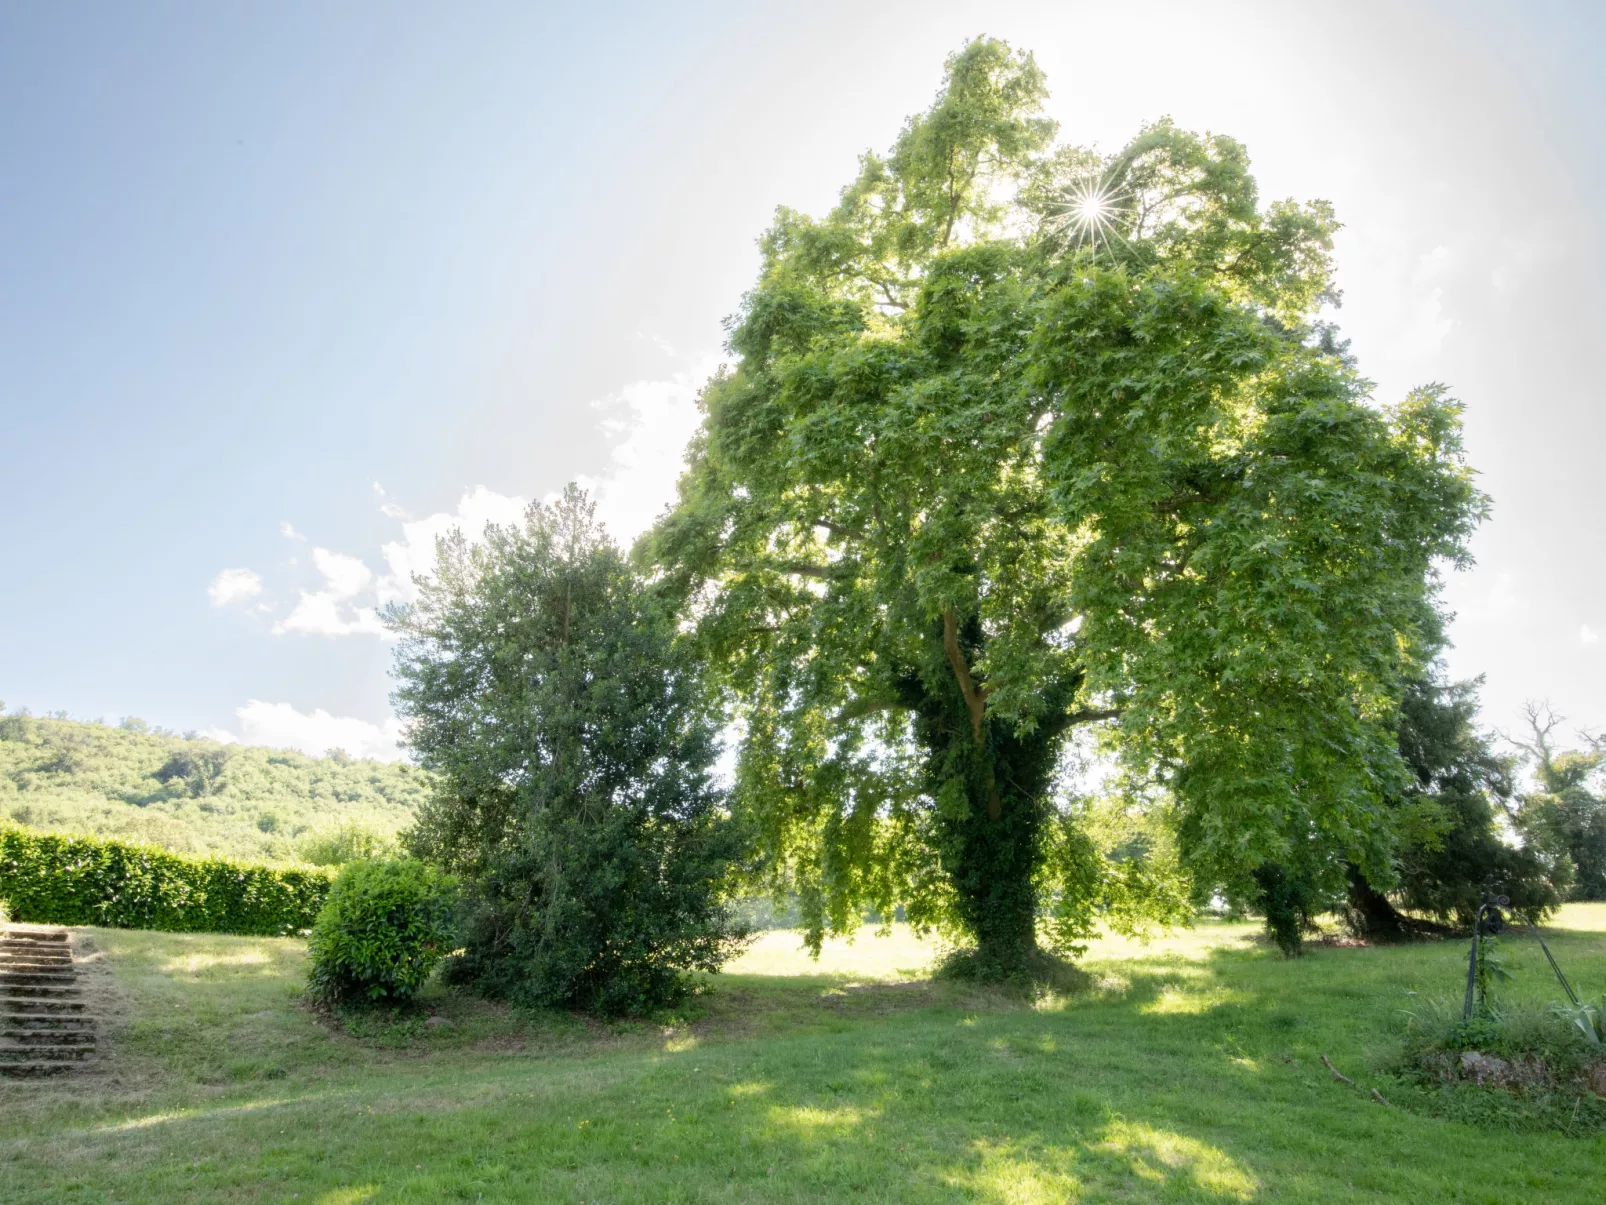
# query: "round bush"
[[385, 926]]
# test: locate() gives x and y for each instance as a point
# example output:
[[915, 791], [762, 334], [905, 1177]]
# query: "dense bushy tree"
[[1451, 849], [572, 749], [1564, 819], [1020, 439]]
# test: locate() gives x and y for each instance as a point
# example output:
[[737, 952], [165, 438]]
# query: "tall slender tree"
[[1020, 439]]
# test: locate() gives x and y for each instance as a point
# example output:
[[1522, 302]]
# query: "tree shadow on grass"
[[1168, 1078]]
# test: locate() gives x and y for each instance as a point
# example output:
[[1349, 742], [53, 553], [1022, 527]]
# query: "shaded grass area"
[[1188, 1070]]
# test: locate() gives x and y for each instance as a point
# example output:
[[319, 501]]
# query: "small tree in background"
[[573, 751], [1564, 819]]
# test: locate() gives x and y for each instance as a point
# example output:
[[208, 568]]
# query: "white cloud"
[[290, 533], [325, 612], [656, 420], [652, 422], [234, 585], [319, 613], [281, 726], [415, 551], [344, 576], [1588, 635]]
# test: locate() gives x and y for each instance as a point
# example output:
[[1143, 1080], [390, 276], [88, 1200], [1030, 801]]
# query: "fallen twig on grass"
[[1380, 1098], [1337, 1074]]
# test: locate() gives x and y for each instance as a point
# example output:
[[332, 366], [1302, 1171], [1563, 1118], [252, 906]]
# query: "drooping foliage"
[[573, 747], [1020, 439]]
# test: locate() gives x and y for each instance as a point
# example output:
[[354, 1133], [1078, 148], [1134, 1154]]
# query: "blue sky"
[[286, 289]]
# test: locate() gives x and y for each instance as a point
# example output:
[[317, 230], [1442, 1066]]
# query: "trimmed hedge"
[[53, 880]]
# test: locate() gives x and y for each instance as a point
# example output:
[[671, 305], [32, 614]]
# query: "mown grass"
[[1187, 1070]]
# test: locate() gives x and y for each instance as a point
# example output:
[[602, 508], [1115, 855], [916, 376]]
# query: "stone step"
[[37, 978], [36, 935], [32, 1004], [17, 966], [50, 1037], [35, 1070], [44, 1054], [12, 998], [53, 1024]]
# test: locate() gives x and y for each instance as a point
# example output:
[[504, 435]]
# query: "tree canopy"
[[1019, 438]]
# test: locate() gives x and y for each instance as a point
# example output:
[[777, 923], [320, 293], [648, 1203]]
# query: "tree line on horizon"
[[191, 795]]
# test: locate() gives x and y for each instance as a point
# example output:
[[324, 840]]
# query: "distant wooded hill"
[[197, 796]]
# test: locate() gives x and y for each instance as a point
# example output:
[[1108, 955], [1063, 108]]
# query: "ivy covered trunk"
[[991, 797]]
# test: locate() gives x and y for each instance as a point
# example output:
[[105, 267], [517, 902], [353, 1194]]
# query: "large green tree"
[[572, 747], [1020, 439]]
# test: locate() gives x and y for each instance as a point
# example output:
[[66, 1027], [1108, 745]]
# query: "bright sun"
[[1088, 212]]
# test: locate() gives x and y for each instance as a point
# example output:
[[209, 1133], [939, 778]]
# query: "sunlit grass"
[[1188, 1069], [870, 956]]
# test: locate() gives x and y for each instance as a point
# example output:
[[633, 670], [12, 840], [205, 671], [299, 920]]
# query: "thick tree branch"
[[1089, 715], [859, 708], [839, 531], [975, 698], [802, 569]]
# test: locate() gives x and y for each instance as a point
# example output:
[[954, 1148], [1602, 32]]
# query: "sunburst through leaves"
[[1087, 213]]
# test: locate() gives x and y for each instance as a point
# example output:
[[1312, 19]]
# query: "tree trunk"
[[1369, 914], [992, 800]]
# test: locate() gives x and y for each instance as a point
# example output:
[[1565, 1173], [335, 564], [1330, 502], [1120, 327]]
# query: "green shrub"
[[343, 843], [384, 928], [1521, 1066], [55, 880]]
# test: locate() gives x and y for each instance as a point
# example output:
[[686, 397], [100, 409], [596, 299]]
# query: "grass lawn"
[[1187, 1070]]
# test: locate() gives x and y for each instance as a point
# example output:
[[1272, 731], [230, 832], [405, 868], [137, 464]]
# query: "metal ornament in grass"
[[1481, 966]]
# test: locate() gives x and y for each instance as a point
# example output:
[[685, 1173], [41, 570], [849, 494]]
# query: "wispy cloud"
[[1587, 635], [232, 586], [281, 726], [651, 423], [414, 553]]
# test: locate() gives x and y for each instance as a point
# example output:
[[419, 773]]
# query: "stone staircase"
[[44, 1028]]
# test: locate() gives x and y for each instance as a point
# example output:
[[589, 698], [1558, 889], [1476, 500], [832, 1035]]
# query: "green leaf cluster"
[[55, 880], [1563, 819], [381, 933]]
